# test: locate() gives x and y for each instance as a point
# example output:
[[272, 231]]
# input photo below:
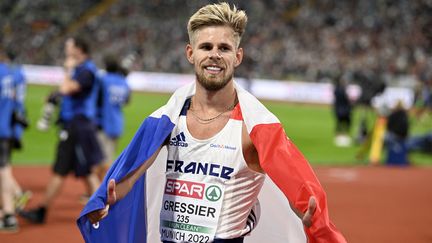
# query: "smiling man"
[[221, 142]]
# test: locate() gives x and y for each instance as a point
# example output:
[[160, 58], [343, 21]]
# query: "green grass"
[[310, 127], [39, 147]]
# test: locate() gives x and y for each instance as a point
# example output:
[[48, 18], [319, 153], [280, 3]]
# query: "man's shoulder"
[[254, 112], [84, 74]]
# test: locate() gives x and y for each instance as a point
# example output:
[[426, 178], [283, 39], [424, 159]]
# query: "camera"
[[19, 118]]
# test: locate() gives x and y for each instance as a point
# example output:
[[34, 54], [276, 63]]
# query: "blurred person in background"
[[20, 123], [205, 127], [342, 111], [423, 109], [424, 98], [78, 148], [54, 101], [421, 143], [397, 135], [19, 116], [371, 84], [114, 94], [12, 123]]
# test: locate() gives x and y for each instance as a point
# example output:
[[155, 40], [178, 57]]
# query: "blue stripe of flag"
[[126, 221]]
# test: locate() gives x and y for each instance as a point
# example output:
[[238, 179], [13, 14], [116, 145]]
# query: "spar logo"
[[185, 188], [213, 193], [179, 140]]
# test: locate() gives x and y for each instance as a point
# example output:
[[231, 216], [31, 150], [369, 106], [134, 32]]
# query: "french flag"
[[134, 219]]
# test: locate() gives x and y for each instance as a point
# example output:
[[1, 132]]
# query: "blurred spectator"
[[114, 94], [342, 112], [291, 39], [19, 115], [19, 123], [424, 98], [372, 84], [396, 136], [398, 122], [78, 149], [421, 143], [12, 93]]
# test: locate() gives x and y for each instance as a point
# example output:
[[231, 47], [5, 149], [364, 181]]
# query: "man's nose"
[[215, 54]]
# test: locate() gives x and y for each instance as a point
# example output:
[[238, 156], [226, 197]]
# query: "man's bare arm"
[[117, 191], [69, 86]]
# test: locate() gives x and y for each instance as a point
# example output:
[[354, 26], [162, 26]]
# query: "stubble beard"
[[213, 85]]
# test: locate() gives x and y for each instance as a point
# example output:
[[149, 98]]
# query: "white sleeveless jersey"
[[210, 192]]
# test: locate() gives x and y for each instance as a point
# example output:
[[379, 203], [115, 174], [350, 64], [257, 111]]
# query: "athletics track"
[[368, 204]]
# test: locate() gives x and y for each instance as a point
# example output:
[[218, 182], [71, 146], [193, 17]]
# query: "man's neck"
[[81, 60], [214, 100]]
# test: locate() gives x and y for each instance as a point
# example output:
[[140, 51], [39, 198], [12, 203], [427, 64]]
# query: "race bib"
[[190, 211]]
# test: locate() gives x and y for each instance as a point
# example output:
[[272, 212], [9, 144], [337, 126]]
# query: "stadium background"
[[313, 41]]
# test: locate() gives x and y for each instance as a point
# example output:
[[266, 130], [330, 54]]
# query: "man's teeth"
[[213, 68]]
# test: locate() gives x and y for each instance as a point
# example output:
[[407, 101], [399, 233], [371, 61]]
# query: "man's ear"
[[189, 53], [239, 57]]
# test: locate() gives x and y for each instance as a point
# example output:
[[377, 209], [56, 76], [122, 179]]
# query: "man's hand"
[[97, 215], [307, 217], [112, 196], [69, 64]]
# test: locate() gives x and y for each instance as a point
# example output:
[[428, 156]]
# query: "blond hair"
[[219, 14]]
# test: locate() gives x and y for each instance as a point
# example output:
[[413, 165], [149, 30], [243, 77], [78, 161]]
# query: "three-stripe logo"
[[179, 140]]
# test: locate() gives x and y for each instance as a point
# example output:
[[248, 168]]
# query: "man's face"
[[69, 48], [214, 54], [72, 52]]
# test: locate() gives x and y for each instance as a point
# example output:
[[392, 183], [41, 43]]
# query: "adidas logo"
[[179, 140]]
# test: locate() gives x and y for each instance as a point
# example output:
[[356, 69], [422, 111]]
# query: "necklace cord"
[[209, 120]]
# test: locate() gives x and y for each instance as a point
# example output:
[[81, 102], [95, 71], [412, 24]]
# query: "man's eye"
[[224, 48], [206, 47]]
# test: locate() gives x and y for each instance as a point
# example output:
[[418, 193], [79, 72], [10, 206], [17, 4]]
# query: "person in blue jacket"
[[12, 123], [78, 149], [114, 94]]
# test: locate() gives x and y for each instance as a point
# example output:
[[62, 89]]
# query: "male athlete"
[[221, 145]]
